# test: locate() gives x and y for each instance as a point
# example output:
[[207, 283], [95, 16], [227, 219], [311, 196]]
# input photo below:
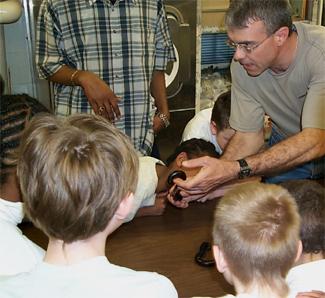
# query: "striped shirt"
[[122, 43]]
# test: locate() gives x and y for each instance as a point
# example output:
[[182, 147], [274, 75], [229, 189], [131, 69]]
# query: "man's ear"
[[124, 207], [213, 127], [180, 158], [281, 35], [221, 262], [299, 251]]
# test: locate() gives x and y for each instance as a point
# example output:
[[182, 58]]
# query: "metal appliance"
[[20, 55], [182, 16]]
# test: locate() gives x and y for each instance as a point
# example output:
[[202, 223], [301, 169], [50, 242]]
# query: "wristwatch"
[[245, 170]]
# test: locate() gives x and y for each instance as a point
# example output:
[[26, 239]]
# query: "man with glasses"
[[278, 69]]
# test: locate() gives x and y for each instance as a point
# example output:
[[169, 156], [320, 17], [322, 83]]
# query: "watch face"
[[245, 170]]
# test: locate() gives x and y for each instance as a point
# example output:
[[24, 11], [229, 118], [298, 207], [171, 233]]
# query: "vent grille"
[[215, 52]]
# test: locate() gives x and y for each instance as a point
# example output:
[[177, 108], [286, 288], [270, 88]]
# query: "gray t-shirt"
[[294, 99]]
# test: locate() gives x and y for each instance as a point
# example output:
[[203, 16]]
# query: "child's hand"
[[160, 204], [180, 204], [157, 209]]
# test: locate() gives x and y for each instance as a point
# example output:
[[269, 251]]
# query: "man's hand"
[[102, 99], [213, 173], [158, 124]]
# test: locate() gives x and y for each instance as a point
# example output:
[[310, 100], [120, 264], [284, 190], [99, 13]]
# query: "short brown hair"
[[73, 173], [221, 111], [310, 198], [257, 229]]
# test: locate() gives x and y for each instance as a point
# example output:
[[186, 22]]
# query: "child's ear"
[[221, 262], [124, 207], [299, 251], [213, 127], [180, 158]]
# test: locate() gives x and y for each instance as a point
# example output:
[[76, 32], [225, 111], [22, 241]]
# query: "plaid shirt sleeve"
[[164, 45], [49, 54]]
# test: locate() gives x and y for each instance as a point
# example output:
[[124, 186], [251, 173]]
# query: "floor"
[[166, 244]]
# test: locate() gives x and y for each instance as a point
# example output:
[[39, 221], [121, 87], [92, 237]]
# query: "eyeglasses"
[[247, 48]]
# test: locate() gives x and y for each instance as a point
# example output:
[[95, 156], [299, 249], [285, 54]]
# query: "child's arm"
[[157, 209]]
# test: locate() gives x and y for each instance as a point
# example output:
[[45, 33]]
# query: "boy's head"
[[310, 198], [74, 174], [15, 112], [219, 123], [256, 235], [190, 149]]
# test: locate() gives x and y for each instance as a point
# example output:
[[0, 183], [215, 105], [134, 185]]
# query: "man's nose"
[[239, 53]]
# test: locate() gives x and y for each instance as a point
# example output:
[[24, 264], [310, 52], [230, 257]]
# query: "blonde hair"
[[257, 228], [73, 173]]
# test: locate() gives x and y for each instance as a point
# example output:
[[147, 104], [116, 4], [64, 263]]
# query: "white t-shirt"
[[95, 277], [238, 296], [199, 127], [17, 253], [145, 193], [307, 277]]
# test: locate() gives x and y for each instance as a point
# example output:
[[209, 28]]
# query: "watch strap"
[[245, 169]]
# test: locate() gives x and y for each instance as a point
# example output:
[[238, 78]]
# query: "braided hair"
[[15, 112]]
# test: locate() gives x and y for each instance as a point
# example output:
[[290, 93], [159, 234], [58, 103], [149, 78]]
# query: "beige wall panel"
[[213, 12], [206, 4]]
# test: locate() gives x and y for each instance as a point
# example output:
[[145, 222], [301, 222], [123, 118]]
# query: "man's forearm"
[[298, 149], [243, 144], [158, 91]]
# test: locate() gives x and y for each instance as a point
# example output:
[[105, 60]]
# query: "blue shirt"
[[122, 43]]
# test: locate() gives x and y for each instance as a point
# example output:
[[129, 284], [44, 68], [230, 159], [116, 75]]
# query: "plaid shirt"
[[121, 43]]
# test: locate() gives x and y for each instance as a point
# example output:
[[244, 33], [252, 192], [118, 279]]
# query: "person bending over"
[[152, 187], [278, 69], [212, 124]]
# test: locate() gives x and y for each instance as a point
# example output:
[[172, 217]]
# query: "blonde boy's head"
[[74, 172], [257, 229]]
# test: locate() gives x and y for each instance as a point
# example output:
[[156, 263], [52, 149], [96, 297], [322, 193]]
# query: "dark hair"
[[221, 111], [310, 198], [15, 112], [193, 148], [274, 14]]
